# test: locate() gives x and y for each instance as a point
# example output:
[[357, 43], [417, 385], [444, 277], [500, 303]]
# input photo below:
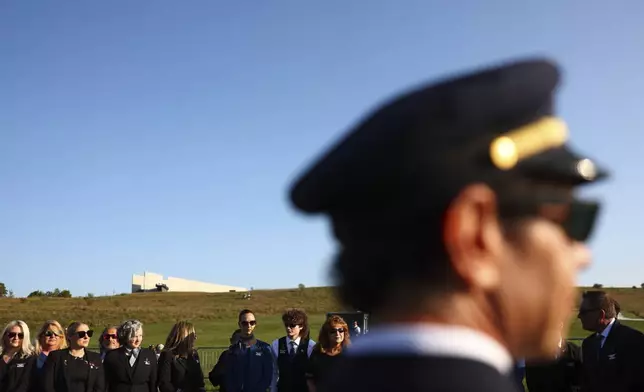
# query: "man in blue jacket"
[[250, 362]]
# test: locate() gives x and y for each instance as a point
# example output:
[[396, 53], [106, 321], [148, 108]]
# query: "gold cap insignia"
[[507, 150]]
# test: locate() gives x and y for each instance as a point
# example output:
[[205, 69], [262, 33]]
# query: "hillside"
[[165, 307], [168, 307]]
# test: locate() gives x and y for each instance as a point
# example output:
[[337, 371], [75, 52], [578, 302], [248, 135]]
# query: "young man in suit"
[[457, 228], [131, 368], [613, 356], [292, 353]]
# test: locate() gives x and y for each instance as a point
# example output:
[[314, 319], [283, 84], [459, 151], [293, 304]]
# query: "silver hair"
[[128, 330]]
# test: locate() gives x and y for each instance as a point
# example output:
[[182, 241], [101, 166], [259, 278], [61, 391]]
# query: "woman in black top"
[[50, 337], [179, 368], [333, 339], [75, 369], [17, 358]]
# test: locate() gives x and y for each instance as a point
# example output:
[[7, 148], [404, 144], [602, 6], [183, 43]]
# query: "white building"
[[149, 281]]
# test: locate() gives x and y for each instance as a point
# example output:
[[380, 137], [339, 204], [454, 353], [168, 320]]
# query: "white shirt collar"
[[606, 330], [296, 340], [434, 340]]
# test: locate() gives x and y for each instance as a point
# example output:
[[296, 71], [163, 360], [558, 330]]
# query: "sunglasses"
[[82, 334], [251, 322], [291, 326], [109, 336], [334, 331], [577, 218], [12, 335], [51, 333]]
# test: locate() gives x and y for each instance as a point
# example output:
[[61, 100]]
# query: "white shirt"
[[606, 331], [434, 340], [275, 349]]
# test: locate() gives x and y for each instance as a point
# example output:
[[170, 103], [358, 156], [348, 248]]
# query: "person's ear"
[[473, 237]]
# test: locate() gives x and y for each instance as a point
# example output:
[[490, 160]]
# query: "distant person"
[[218, 372], [457, 223], [108, 340], [158, 350], [75, 369], [613, 356], [559, 373], [332, 341], [18, 358], [249, 366], [50, 337], [292, 353], [356, 329], [179, 365], [131, 368]]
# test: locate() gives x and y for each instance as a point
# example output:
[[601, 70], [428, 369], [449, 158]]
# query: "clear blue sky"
[[162, 135]]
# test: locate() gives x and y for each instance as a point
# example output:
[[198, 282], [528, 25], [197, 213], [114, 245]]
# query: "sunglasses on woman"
[[82, 334], [334, 331], [12, 335], [50, 333]]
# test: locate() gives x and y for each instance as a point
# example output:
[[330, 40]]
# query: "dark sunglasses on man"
[[12, 335], [82, 334], [252, 322], [109, 336]]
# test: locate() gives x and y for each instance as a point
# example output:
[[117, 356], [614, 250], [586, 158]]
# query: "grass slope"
[[214, 315]]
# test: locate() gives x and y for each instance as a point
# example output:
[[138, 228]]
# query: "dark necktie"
[[291, 352], [597, 345]]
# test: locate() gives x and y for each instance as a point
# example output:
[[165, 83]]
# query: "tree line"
[[56, 293]]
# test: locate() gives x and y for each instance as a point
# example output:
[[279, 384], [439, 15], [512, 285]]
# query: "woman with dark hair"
[[332, 341], [179, 368], [74, 369]]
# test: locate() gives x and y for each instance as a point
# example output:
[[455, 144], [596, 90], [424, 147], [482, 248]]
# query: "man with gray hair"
[[131, 368]]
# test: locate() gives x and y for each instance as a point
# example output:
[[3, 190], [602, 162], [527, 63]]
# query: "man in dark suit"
[[458, 229], [613, 356], [131, 368]]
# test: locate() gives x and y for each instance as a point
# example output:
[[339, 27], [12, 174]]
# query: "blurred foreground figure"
[[458, 228]]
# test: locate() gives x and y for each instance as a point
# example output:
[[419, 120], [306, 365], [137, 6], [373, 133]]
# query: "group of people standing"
[[60, 361], [292, 363]]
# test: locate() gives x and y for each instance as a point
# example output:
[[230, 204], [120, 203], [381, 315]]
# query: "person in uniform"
[[291, 353], [458, 228]]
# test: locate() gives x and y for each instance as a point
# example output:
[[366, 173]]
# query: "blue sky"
[[162, 135]]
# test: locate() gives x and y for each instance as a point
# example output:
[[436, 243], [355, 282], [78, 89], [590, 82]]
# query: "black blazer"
[[16, 375], [618, 366], [218, 372], [121, 377], [179, 373], [413, 373], [57, 373], [561, 374]]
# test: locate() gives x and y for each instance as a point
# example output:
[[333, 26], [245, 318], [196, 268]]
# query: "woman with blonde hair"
[[50, 337], [179, 367], [17, 357], [332, 341]]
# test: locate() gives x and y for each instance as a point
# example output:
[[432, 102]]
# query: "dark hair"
[[601, 300], [243, 312], [299, 317]]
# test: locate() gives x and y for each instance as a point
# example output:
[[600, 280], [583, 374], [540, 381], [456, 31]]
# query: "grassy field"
[[214, 315]]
